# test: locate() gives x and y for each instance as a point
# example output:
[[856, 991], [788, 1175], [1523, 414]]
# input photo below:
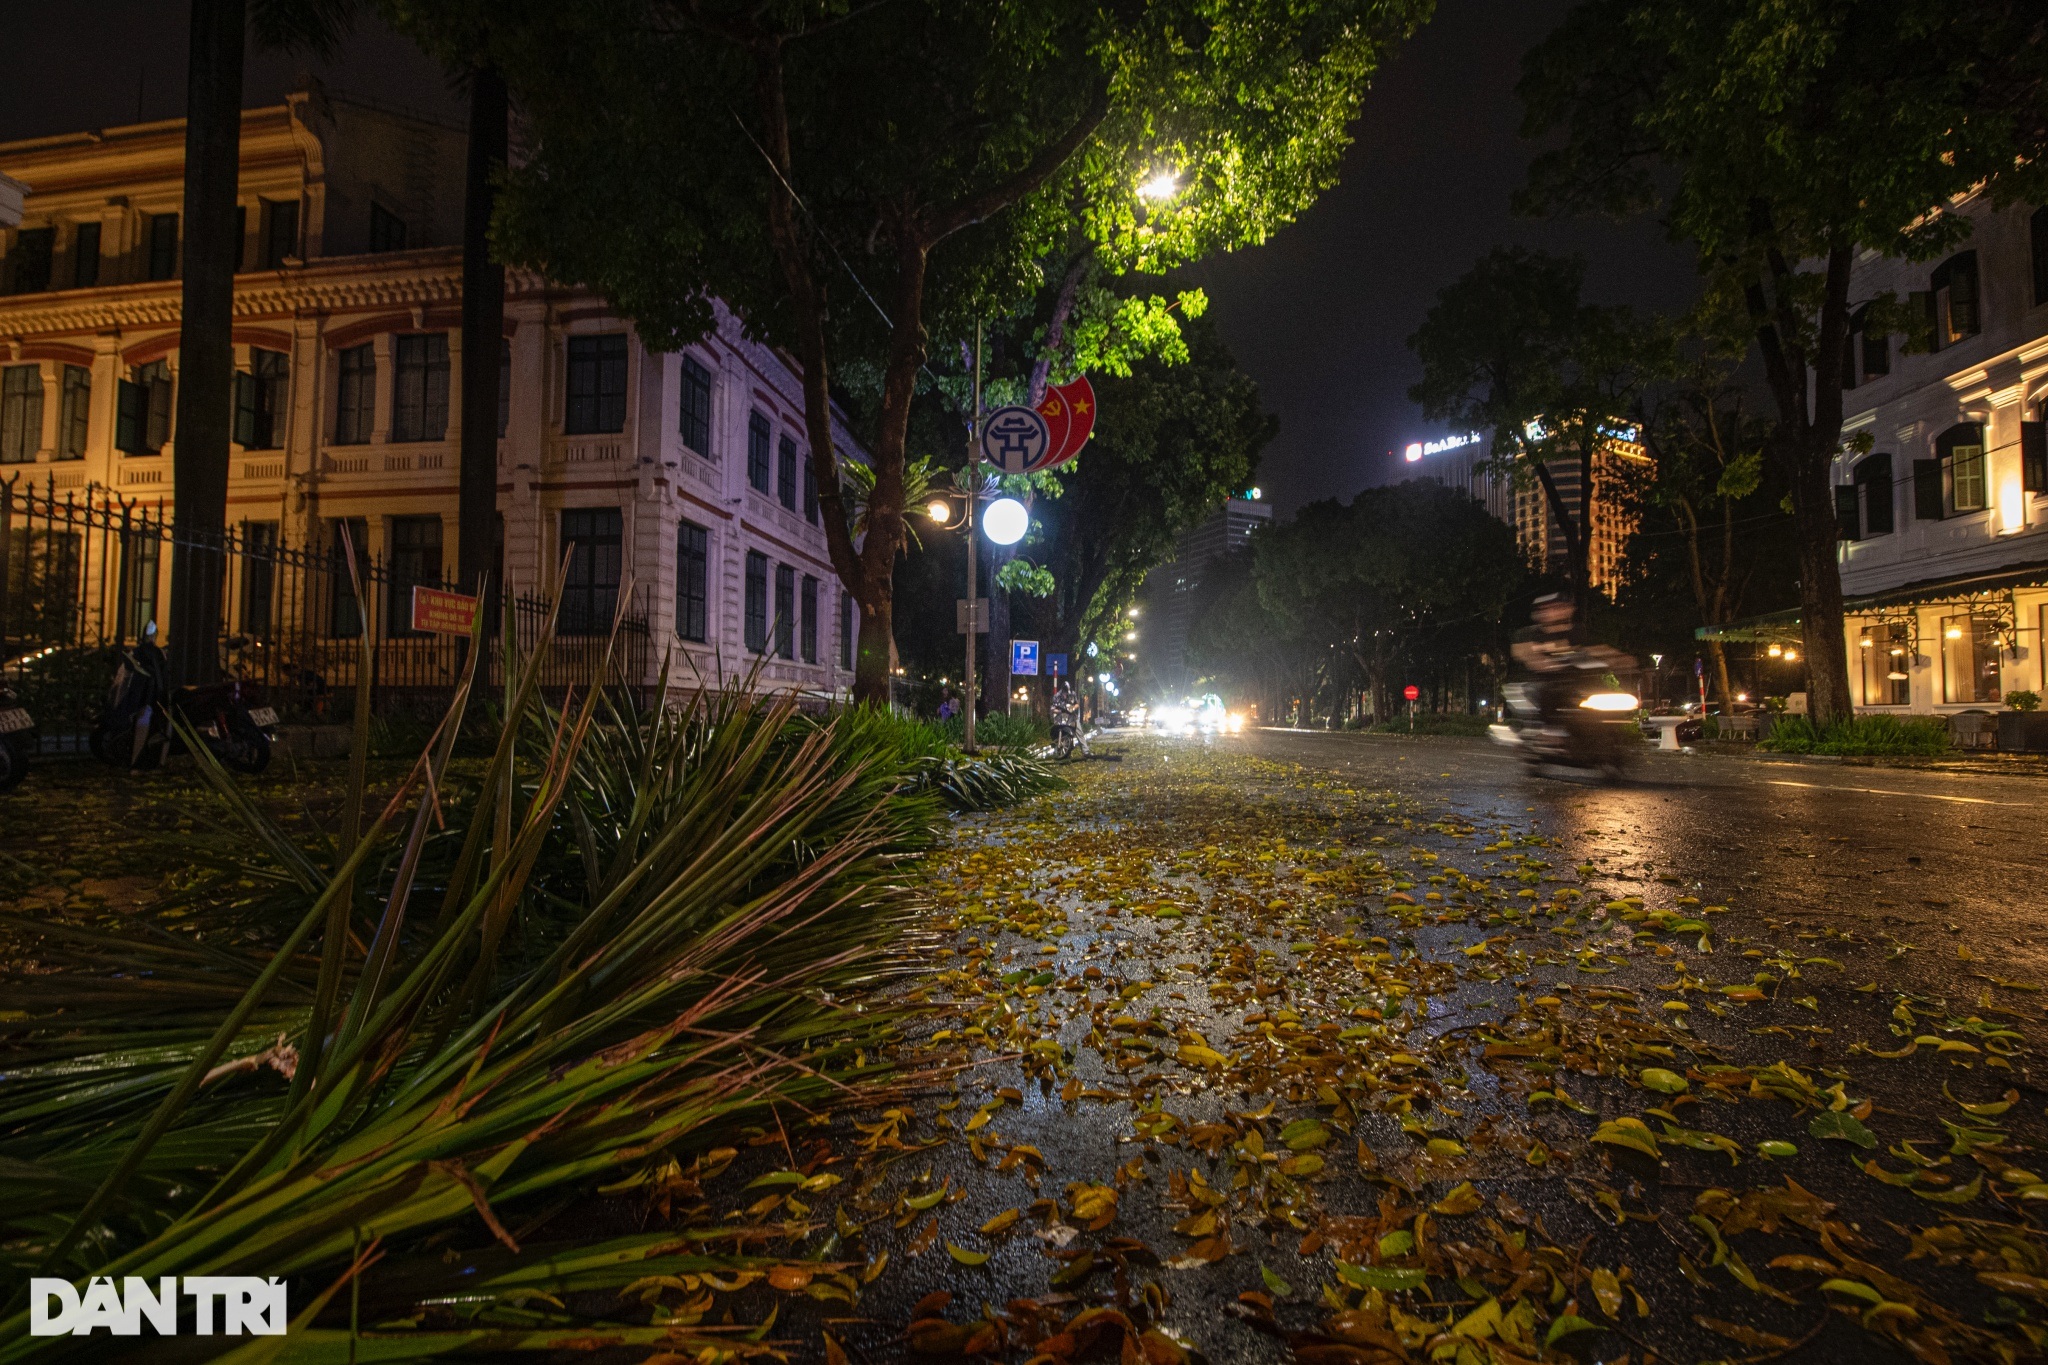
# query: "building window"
[[757, 451], [785, 612], [1873, 484], [1887, 650], [504, 384], [351, 535], [807, 620], [590, 593], [419, 389], [141, 560], [695, 423], [1969, 659], [846, 631], [142, 411], [280, 231], [2038, 230], [597, 384], [757, 602], [21, 413], [413, 556], [810, 493], [259, 576], [387, 229], [74, 415], [241, 235], [693, 581], [31, 257], [1866, 355], [260, 399], [1953, 311], [1960, 450], [85, 256], [355, 403], [785, 473], [163, 246]]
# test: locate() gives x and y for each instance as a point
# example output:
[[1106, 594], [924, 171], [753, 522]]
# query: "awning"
[[1784, 625]]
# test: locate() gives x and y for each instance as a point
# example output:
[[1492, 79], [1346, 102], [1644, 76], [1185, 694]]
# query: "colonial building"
[[1942, 489], [681, 478]]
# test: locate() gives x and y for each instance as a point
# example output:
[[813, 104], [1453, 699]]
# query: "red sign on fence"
[[442, 612]]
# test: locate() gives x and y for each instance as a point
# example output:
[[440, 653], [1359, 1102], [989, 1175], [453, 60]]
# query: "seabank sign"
[[246, 1304]]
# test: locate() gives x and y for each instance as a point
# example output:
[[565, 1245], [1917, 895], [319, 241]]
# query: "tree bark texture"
[[206, 354], [483, 332]]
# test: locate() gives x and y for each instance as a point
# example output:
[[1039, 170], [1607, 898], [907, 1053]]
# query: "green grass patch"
[[1862, 736]]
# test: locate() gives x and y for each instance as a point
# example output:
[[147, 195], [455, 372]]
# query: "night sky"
[[1319, 315]]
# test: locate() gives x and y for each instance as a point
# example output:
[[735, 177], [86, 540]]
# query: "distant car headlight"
[[1611, 701], [1233, 722]]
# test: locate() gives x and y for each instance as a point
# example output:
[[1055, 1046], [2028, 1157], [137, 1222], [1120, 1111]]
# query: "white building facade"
[[1944, 513], [683, 479]]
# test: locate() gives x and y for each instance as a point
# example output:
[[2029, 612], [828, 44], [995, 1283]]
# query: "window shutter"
[[245, 409], [1874, 474], [1923, 299], [2034, 456], [1962, 294], [1848, 526], [1927, 490], [129, 411], [1877, 358]]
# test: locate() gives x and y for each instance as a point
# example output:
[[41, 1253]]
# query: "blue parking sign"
[[1024, 658]]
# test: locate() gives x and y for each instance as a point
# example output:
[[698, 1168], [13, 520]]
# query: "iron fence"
[[82, 574]]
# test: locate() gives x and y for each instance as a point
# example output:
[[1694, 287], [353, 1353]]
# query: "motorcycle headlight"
[[1610, 701]]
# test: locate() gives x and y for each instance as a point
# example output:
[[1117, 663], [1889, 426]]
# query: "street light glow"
[[1160, 187], [1005, 521], [939, 510]]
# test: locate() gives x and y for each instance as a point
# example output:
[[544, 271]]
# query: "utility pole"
[[973, 498]]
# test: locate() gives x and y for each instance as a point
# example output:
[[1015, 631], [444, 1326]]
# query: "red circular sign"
[[1411, 691]]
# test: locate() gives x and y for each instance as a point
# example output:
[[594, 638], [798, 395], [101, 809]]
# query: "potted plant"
[[2023, 726]]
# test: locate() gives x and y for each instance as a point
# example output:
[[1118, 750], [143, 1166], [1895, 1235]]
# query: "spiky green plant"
[[630, 923]]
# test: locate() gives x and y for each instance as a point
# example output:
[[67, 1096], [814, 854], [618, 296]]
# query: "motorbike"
[[135, 728], [17, 737], [1066, 730], [1581, 719]]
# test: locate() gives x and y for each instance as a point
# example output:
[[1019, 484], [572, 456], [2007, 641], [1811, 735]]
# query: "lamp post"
[[973, 497]]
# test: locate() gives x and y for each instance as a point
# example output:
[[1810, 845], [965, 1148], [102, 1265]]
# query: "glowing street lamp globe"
[[1005, 520], [939, 510], [1160, 187]]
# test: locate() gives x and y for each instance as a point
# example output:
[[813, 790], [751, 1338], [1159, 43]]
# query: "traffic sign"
[[1056, 665], [1015, 440], [1024, 658], [970, 616], [1411, 692], [440, 612]]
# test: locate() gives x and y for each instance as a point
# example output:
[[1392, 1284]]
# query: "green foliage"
[[624, 925], [1458, 723], [2023, 700], [1862, 735], [1022, 576], [929, 753], [998, 729], [1172, 441]]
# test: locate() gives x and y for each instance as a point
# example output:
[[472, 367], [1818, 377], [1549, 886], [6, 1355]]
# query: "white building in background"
[[1944, 520], [683, 478]]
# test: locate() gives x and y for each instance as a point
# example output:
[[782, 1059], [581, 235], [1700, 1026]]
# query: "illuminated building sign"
[[1417, 449]]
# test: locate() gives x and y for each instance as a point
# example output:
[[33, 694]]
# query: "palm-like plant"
[[629, 924]]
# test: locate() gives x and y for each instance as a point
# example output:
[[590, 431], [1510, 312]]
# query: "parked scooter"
[[135, 729], [17, 738], [1066, 724]]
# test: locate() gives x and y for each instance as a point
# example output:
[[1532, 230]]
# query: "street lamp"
[[939, 510], [1005, 521], [1160, 187]]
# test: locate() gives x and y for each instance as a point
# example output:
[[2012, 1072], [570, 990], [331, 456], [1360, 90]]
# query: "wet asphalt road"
[[1934, 857], [1927, 884]]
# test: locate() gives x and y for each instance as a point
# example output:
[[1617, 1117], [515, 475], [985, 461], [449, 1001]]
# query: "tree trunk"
[[483, 333], [1718, 652], [1820, 596], [206, 353]]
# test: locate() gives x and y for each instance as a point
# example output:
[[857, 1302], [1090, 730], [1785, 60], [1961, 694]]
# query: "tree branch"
[[939, 225]]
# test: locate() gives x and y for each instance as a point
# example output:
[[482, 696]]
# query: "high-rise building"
[[1173, 586], [1541, 536]]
